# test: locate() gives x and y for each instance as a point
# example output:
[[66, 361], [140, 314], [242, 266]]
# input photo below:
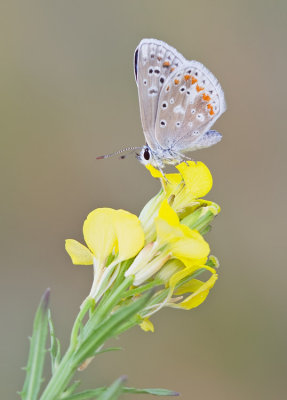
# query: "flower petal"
[[155, 173], [178, 276], [190, 248], [79, 253], [168, 214], [167, 223], [197, 177], [169, 182], [201, 290], [166, 233], [99, 232], [147, 325], [130, 234]]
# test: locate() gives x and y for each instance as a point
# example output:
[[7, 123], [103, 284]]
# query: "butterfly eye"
[[146, 154]]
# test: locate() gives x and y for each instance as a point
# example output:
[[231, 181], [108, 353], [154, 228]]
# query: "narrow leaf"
[[55, 349], [113, 391], [69, 391], [86, 395], [154, 392], [109, 327], [92, 394], [108, 350], [37, 351]]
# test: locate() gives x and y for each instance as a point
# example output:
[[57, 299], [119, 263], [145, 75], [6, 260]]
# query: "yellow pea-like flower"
[[107, 231]]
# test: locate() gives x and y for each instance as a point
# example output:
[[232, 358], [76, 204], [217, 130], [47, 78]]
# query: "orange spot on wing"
[[167, 89], [198, 88], [193, 80], [172, 69], [209, 106], [166, 64], [205, 97], [186, 77], [176, 81]]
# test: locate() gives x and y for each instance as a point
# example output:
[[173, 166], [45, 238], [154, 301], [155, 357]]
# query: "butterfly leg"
[[164, 176]]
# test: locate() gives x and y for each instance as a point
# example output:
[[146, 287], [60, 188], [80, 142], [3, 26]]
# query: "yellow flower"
[[106, 232], [193, 181], [198, 290], [184, 243], [165, 245], [182, 190], [173, 240]]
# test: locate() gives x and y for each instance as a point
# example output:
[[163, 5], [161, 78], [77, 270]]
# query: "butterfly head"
[[146, 155], [159, 157]]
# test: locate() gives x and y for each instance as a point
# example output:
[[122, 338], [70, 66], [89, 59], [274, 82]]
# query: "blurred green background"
[[67, 95]]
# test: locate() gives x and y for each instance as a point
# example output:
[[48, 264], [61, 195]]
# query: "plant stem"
[[61, 377]]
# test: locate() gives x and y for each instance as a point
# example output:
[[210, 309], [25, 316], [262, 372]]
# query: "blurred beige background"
[[67, 95]]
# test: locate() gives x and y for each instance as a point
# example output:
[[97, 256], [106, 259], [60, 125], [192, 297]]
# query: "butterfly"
[[179, 102]]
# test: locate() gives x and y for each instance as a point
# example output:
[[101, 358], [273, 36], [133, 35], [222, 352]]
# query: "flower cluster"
[[163, 249]]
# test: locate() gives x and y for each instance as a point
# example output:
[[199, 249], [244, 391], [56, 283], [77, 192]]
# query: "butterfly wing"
[[190, 102], [154, 62]]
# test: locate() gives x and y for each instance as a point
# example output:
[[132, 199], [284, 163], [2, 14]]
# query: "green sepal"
[[199, 219], [55, 347], [205, 230], [213, 262], [37, 351]]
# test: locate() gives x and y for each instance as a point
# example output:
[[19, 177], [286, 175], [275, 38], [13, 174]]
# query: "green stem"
[[61, 377], [98, 329], [141, 289], [109, 327], [84, 309], [106, 306]]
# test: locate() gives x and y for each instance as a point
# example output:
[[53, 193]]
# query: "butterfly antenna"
[[126, 150]]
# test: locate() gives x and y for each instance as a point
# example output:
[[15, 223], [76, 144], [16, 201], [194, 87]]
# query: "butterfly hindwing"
[[189, 103], [154, 62]]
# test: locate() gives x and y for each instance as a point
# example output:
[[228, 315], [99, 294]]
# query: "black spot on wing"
[[136, 63]]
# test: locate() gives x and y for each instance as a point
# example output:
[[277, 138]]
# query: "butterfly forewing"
[[155, 61], [190, 102]]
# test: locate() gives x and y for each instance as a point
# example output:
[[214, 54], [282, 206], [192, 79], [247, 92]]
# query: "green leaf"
[[107, 350], [143, 288], [154, 392], [69, 391], [92, 394], [108, 328], [37, 351], [88, 304], [55, 347], [113, 391], [85, 395]]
